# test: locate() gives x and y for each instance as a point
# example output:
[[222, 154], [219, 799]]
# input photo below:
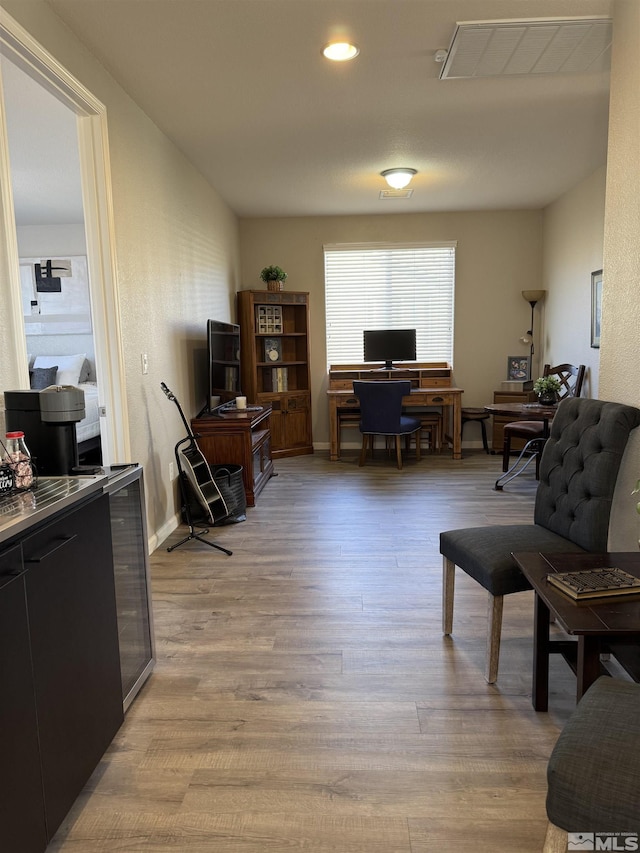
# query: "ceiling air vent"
[[497, 48], [396, 193]]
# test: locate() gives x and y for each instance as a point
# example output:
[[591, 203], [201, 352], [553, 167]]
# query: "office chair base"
[[194, 534]]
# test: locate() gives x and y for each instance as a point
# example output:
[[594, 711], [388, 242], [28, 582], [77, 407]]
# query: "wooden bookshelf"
[[274, 335]]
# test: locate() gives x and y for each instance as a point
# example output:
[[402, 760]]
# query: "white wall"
[[573, 235], [620, 352], [177, 261]]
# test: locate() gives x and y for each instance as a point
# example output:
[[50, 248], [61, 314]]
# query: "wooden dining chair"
[[571, 379]]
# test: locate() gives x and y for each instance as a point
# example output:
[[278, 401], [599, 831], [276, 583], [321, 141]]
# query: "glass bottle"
[[19, 458]]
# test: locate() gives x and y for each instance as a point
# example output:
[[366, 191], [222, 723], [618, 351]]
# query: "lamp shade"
[[534, 295], [398, 178]]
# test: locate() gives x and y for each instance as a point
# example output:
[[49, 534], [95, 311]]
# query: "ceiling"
[[242, 89]]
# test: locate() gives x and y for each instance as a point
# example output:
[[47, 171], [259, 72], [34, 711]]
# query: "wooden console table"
[[430, 386], [238, 438]]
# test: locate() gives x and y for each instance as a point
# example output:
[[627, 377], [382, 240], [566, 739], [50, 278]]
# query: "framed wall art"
[[55, 296], [596, 307]]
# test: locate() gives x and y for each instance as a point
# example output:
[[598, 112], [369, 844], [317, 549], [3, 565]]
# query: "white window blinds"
[[389, 286]]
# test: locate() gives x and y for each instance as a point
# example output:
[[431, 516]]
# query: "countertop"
[[23, 510]]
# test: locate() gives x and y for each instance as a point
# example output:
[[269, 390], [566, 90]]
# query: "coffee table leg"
[[588, 663], [540, 686]]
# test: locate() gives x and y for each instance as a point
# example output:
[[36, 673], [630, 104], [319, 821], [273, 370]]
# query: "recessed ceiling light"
[[340, 51]]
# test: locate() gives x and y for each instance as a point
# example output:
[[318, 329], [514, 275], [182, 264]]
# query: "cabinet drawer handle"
[[60, 544], [437, 399]]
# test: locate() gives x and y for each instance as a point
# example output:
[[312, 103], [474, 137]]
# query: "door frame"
[[23, 50]]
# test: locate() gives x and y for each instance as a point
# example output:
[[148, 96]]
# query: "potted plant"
[[547, 387], [274, 276]]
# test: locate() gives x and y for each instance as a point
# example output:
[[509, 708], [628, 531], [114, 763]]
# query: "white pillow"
[[69, 366]]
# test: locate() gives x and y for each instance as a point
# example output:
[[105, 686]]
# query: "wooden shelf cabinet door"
[[290, 423]]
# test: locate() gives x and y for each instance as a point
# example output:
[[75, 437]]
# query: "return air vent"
[[561, 46], [396, 193]]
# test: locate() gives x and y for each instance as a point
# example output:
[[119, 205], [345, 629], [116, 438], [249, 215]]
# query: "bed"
[[88, 429], [79, 371]]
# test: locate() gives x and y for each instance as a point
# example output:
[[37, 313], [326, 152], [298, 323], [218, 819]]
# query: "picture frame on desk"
[[518, 368]]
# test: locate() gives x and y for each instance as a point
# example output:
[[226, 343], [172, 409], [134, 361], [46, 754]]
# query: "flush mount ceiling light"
[[398, 178], [340, 51]]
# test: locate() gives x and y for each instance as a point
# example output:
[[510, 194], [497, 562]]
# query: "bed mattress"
[[89, 426]]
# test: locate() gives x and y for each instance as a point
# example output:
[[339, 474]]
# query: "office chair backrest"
[[381, 405], [579, 468], [570, 377]]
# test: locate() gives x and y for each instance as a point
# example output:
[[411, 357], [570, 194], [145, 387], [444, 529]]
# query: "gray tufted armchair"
[[594, 770], [578, 473]]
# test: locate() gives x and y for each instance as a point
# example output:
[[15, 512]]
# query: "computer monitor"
[[390, 345]]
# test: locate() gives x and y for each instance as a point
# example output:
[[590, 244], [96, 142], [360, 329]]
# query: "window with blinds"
[[389, 286]]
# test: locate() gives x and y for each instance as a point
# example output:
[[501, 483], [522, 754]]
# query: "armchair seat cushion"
[[594, 770], [484, 553]]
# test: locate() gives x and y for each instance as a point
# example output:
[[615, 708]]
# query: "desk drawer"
[[435, 382], [438, 399], [349, 401]]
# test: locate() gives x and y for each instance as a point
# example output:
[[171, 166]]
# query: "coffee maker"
[[48, 419]]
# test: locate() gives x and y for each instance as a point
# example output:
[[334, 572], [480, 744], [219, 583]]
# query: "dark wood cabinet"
[[274, 335], [74, 649], [238, 438], [22, 824]]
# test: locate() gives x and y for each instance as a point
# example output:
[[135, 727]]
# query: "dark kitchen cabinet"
[[74, 649], [22, 825]]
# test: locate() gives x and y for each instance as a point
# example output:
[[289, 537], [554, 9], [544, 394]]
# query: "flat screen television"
[[223, 355], [389, 345]]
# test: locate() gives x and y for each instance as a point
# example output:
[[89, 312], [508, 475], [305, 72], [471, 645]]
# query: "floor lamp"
[[532, 297]]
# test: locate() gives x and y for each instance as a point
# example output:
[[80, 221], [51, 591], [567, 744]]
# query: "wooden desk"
[[445, 397], [597, 625]]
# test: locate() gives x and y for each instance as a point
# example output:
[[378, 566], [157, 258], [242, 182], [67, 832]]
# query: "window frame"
[[356, 278]]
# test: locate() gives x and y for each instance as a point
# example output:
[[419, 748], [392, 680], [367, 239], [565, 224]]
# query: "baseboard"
[[161, 534]]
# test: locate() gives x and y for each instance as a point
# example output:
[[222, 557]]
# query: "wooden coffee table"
[[610, 624]]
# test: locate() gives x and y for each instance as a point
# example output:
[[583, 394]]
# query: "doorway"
[[56, 192]]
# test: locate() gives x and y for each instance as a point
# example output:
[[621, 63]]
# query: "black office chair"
[[381, 414], [578, 472]]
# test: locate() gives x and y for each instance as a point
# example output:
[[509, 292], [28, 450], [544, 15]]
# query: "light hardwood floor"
[[304, 696]]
